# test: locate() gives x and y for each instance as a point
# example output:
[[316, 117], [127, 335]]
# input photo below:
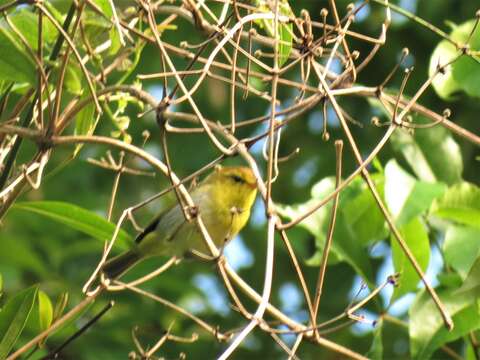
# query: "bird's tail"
[[118, 265]]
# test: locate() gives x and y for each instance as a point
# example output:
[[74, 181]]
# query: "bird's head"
[[237, 185]]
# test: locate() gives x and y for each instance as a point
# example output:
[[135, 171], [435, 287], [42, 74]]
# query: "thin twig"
[[331, 227]]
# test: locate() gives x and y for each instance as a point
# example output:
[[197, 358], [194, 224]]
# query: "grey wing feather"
[[169, 221], [171, 225]]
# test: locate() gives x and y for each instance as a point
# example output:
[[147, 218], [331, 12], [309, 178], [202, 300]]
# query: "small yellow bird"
[[223, 199]]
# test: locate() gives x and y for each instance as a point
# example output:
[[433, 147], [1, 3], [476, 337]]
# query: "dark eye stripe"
[[237, 178]]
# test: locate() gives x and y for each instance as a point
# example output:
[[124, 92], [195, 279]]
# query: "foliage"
[[113, 133]]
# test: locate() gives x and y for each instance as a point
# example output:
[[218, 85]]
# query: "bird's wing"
[[169, 233], [168, 222], [150, 228]]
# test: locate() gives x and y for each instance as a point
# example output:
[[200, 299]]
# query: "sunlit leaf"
[[464, 73], [428, 165], [360, 209], [416, 238], [471, 284], [444, 83], [427, 330], [406, 197], [460, 203], [461, 248], [41, 316], [116, 44], [346, 244], [45, 310], [449, 280]]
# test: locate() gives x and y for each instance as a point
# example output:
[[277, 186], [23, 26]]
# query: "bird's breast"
[[220, 219]]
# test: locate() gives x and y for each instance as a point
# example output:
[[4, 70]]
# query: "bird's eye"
[[237, 179]]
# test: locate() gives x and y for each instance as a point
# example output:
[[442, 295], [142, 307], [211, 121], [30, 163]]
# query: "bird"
[[223, 199]]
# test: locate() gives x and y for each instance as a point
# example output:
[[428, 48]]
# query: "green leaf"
[[444, 84], [463, 74], [460, 203], [96, 28], [415, 235], [17, 66], [449, 280], [45, 311], [13, 318], [360, 208], [471, 353], [466, 71], [41, 316], [116, 43], [406, 197], [95, 23], [346, 245], [107, 12], [86, 121], [427, 330], [73, 79], [285, 44], [376, 350], [105, 7], [461, 248], [471, 285], [22, 256], [60, 305], [284, 32], [77, 218], [428, 165], [26, 22]]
